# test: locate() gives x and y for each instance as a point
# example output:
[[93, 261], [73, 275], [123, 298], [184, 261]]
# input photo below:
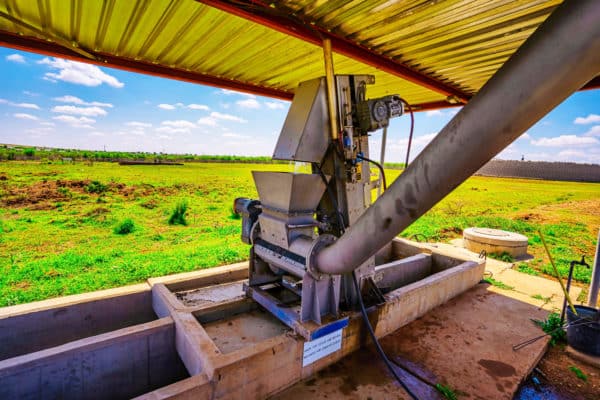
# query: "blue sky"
[[46, 101]]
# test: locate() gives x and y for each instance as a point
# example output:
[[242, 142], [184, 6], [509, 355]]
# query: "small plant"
[[446, 391], [178, 215], [526, 269], [504, 256], [553, 327], [498, 284], [124, 227], [96, 187], [65, 192], [579, 373], [29, 152]]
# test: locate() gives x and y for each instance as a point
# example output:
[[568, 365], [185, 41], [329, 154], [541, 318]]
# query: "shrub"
[[553, 327], [29, 152], [124, 227], [96, 187], [178, 215]]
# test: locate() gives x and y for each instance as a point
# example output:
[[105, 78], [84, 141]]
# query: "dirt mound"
[[43, 194]]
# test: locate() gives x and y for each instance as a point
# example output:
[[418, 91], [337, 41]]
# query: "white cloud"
[[137, 124], [25, 116], [3, 101], [570, 153], [434, 113], [248, 103], [180, 123], [165, 137], [525, 136], [594, 131], [32, 94], [86, 111], [78, 73], [16, 58], [166, 106], [565, 140], [26, 105], [78, 101], [170, 129], [234, 135], [274, 105], [43, 131], [76, 122], [198, 107], [227, 117], [590, 119], [208, 121], [47, 123], [97, 134]]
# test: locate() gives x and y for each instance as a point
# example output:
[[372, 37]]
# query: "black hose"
[[412, 127], [387, 362], [380, 170]]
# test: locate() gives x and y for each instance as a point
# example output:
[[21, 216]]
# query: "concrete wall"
[[556, 171], [117, 365], [48, 327]]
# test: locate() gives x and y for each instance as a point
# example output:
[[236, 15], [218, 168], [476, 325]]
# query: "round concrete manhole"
[[495, 241]]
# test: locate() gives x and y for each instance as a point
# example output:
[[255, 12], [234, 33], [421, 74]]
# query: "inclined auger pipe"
[[558, 59]]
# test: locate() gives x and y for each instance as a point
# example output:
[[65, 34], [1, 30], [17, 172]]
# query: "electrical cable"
[[380, 170], [412, 127], [387, 362]]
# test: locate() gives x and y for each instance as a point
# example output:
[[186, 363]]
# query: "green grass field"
[[62, 228]]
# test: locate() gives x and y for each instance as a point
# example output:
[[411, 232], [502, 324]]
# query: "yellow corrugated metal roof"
[[457, 42]]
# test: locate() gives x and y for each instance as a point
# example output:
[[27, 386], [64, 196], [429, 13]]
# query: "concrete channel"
[[196, 335]]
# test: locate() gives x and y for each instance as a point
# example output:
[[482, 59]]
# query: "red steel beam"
[[261, 13], [593, 84], [32, 44], [44, 47]]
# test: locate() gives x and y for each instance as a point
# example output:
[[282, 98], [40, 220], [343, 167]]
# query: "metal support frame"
[[382, 160], [595, 282], [557, 60], [330, 81]]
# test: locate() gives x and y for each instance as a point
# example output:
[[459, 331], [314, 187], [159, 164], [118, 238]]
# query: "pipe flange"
[[311, 263]]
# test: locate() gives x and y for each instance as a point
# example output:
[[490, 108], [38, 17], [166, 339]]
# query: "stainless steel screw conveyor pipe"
[[558, 59]]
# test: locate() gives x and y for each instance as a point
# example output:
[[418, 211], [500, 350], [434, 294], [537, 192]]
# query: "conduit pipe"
[[558, 59]]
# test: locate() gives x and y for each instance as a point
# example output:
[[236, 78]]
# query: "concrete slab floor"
[[465, 344]]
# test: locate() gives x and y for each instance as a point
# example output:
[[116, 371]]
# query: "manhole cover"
[[495, 241], [491, 232]]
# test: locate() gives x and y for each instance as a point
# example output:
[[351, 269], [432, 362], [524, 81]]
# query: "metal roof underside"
[[432, 52]]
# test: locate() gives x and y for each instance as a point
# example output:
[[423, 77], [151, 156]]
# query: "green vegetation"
[[504, 256], [96, 187], [178, 215], [579, 373], [498, 284], [52, 155], [553, 327], [526, 269], [57, 221], [446, 391], [124, 227]]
